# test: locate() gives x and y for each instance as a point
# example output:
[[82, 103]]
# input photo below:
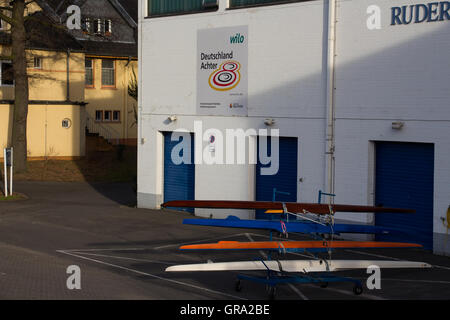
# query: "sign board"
[[8, 157], [222, 62]]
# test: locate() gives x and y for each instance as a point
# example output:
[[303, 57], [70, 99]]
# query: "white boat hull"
[[304, 266]]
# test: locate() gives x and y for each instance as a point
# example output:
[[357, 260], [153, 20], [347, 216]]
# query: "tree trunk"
[[19, 128]]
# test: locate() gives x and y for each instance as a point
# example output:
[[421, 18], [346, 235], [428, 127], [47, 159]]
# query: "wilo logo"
[[237, 146], [237, 38]]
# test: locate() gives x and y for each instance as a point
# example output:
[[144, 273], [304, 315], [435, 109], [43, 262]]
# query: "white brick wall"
[[394, 73]]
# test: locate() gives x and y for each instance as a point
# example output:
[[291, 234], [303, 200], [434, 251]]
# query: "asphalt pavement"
[[122, 252]]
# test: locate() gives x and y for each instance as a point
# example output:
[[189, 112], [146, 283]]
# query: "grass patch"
[[14, 197], [97, 167]]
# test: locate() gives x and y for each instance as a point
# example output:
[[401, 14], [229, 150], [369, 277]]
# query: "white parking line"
[[249, 237], [151, 275], [372, 254], [364, 295], [297, 291], [198, 241], [123, 258]]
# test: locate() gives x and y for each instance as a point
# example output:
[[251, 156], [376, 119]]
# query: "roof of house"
[[116, 49], [127, 9], [131, 6], [43, 33], [59, 6]]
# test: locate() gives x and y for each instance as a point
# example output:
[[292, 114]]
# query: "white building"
[[358, 89]]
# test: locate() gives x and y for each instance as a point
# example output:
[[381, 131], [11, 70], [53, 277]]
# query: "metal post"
[[11, 173], [6, 173], [321, 193]]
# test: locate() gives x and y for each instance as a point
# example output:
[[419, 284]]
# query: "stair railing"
[[108, 133]]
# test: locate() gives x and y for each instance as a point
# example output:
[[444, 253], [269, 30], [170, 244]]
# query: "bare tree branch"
[[7, 19]]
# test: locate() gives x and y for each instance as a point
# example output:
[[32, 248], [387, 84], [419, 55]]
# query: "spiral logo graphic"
[[226, 77]]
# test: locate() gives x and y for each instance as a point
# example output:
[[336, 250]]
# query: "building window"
[[116, 116], [7, 73], [98, 26], [87, 25], [249, 3], [98, 115], [108, 73], [37, 63], [164, 7], [108, 27], [89, 77], [107, 116]]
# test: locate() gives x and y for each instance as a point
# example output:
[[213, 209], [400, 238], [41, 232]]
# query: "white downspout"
[[330, 117]]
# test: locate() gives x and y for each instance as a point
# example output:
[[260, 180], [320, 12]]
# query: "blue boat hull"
[[291, 226]]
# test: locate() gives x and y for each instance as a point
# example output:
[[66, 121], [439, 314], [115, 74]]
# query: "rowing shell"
[[293, 207], [289, 245], [303, 266], [291, 226]]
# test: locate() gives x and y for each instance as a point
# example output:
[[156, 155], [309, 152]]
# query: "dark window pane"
[[7, 73], [107, 116], [108, 26], [240, 3], [98, 26], [161, 7], [108, 74], [87, 25], [89, 78], [37, 63], [107, 63]]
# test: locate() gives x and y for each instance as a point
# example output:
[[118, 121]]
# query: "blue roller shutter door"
[[404, 178], [285, 181], [179, 179]]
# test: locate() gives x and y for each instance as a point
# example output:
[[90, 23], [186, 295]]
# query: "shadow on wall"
[[111, 150], [58, 143], [117, 163], [396, 73]]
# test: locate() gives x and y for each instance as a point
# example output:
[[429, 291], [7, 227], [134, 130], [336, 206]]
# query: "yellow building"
[[110, 110], [77, 81]]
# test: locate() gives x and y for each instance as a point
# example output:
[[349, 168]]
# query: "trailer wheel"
[[357, 289]]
